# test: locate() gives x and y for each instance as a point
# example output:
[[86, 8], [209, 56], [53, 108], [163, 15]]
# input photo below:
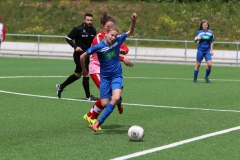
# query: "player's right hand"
[[122, 51], [78, 49]]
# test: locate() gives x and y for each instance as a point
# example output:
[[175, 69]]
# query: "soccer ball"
[[135, 133]]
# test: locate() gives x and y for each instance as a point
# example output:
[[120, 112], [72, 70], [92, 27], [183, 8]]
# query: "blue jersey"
[[108, 56], [206, 39]]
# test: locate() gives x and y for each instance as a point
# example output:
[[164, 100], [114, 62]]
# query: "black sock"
[[85, 84], [69, 80]]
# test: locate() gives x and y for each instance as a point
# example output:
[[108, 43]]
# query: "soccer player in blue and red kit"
[[205, 49], [111, 83]]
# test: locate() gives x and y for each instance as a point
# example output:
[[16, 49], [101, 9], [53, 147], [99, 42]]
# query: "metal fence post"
[[136, 44], [237, 54], [185, 54], [38, 45]]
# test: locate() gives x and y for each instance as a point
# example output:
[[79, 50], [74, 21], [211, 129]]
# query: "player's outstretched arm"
[[132, 26]]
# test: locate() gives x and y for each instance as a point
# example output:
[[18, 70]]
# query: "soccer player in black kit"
[[83, 36]]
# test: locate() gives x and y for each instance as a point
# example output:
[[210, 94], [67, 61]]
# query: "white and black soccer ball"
[[135, 133]]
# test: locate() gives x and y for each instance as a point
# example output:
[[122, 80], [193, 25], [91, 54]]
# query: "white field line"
[[39, 96], [156, 78], [138, 105], [137, 154], [150, 150], [4, 77], [226, 80]]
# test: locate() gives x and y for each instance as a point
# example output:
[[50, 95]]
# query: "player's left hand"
[[127, 62], [134, 16], [211, 52]]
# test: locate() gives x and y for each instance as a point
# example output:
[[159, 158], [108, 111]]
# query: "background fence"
[[155, 51]]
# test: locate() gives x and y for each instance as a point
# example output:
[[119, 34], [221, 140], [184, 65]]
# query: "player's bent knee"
[[115, 100], [78, 75], [104, 103]]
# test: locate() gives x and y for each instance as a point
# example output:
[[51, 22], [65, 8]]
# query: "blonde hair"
[[112, 28]]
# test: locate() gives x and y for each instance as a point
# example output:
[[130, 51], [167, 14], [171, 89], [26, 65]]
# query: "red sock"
[[97, 109], [90, 112]]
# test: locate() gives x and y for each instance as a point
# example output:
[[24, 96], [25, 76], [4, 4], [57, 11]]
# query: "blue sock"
[[208, 71], [108, 110], [195, 74]]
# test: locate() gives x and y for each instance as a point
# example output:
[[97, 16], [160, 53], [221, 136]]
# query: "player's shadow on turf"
[[114, 129]]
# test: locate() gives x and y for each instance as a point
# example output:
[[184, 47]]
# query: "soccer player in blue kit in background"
[[111, 83], [205, 49]]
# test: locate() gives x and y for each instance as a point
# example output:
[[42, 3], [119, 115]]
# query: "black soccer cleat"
[[91, 98], [59, 90], [207, 80]]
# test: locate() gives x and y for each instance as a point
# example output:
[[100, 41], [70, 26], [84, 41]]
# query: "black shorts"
[[76, 57]]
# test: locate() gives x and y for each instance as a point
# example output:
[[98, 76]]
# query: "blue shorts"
[[205, 54], [108, 85]]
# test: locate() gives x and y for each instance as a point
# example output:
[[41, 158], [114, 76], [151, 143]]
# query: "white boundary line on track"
[[177, 143], [226, 80], [138, 105]]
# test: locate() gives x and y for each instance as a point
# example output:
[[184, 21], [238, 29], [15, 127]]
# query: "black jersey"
[[82, 35]]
